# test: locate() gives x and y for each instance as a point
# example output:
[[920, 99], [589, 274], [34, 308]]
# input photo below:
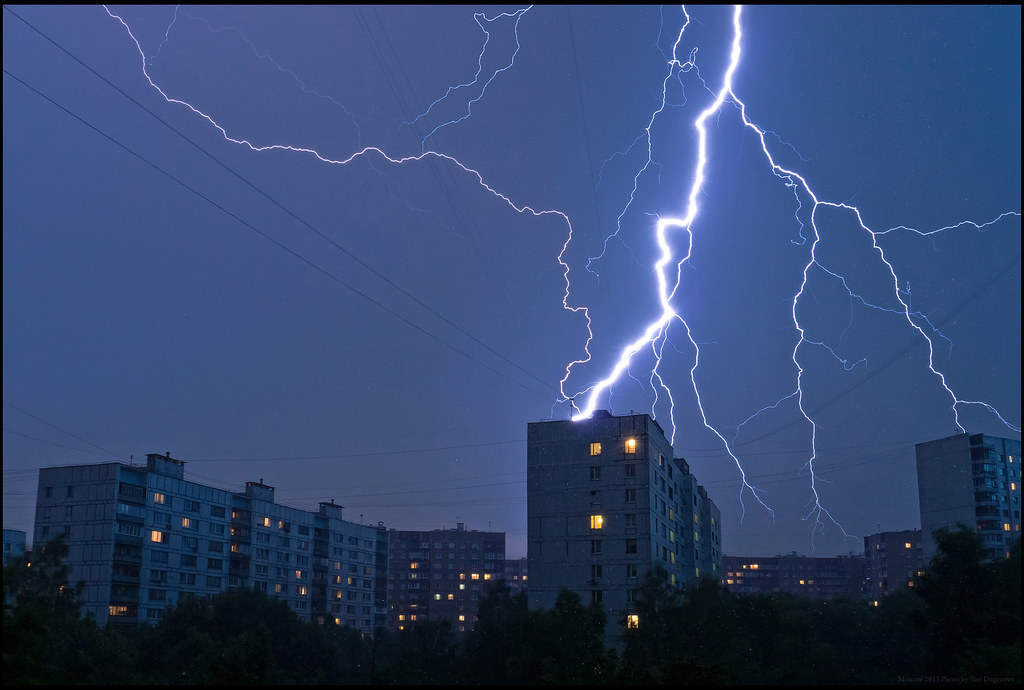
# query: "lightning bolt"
[[673, 236], [669, 266]]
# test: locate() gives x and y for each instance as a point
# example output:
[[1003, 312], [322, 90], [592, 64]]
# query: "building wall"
[[142, 538], [438, 575], [607, 502], [813, 577], [974, 480], [893, 561]]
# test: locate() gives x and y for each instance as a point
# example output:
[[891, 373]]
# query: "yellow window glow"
[[630, 445], [595, 448], [596, 521], [633, 621], [907, 545]]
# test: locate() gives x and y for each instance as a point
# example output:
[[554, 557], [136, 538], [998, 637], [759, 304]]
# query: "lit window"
[[633, 621], [462, 576], [475, 576], [413, 566], [278, 587], [266, 522], [412, 617], [158, 536], [1013, 486], [462, 586], [1006, 526], [753, 566], [187, 523], [487, 576], [462, 617], [596, 521], [595, 448], [401, 616], [158, 498], [631, 445], [451, 597], [437, 597], [907, 545]]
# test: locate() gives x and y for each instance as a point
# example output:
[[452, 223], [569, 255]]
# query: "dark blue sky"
[[378, 325]]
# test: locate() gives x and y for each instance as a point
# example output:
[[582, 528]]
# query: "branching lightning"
[[669, 233]]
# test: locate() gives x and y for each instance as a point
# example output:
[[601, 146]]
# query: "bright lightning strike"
[[674, 239], [668, 271]]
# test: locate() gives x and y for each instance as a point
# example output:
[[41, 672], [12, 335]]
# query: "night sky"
[[342, 267]]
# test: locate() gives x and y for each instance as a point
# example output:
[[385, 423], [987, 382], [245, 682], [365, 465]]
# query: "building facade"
[[607, 502], [14, 545], [809, 576], [892, 561], [971, 480], [141, 538], [438, 575]]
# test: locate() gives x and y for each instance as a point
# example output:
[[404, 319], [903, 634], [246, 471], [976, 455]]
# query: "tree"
[[46, 641]]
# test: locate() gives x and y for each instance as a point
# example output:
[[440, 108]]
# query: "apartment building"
[[607, 501], [892, 561], [971, 480], [437, 575], [809, 576], [140, 538]]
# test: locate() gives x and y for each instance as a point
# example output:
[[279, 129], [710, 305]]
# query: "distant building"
[[142, 538], [437, 575], [809, 576], [607, 501], [973, 480], [893, 561], [516, 573], [14, 545]]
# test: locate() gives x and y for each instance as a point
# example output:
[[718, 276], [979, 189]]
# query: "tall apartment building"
[[142, 538], [973, 480], [892, 561], [437, 575], [809, 576], [607, 501]]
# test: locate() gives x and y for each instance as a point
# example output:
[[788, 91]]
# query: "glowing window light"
[[596, 521]]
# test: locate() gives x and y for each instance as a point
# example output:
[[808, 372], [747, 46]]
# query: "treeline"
[[962, 621]]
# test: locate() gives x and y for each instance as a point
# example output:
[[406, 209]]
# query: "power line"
[[292, 214]]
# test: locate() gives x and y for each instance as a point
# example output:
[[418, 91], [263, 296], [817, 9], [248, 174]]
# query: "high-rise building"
[[142, 538], [607, 501], [438, 575], [892, 561], [815, 577], [971, 480]]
